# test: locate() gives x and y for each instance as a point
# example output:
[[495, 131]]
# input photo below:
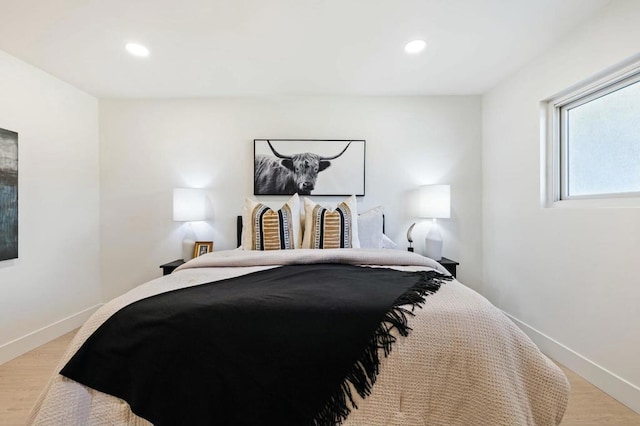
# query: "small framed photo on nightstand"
[[202, 247]]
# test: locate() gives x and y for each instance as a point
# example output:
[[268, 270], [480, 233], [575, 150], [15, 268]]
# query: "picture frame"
[[202, 247], [331, 167]]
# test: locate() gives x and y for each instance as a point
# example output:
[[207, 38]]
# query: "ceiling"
[[203, 48]]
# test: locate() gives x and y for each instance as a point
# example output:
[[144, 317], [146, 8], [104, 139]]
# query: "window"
[[596, 139]]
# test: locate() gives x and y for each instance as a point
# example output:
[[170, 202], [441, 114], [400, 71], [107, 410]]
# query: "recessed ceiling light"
[[415, 46], [137, 49]]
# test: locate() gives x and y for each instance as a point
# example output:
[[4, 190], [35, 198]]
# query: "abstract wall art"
[[8, 195]]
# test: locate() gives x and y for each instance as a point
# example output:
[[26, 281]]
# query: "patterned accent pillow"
[[325, 228], [267, 229]]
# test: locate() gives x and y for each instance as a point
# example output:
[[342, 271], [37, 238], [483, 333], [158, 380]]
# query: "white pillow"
[[266, 229], [388, 243], [327, 228], [370, 228]]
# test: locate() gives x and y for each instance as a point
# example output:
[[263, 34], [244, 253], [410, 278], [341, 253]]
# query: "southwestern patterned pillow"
[[266, 229], [325, 228]]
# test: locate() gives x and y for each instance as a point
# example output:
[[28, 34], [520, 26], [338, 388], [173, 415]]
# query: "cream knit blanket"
[[464, 363]]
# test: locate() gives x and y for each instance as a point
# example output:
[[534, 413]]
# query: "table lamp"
[[434, 202], [189, 205]]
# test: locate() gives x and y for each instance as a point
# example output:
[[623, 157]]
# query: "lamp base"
[[187, 249], [433, 243], [188, 243], [433, 249]]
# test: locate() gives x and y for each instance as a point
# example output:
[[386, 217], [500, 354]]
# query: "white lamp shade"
[[434, 202], [189, 205]]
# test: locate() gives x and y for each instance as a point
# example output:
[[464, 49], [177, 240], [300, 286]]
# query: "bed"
[[463, 362], [313, 320]]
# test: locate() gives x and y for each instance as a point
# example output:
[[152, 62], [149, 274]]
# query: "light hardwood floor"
[[22, 379]]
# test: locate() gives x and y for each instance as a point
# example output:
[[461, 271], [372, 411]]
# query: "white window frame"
[[554, 146]]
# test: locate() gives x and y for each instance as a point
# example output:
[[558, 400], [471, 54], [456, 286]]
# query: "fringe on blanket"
[[364, 372]]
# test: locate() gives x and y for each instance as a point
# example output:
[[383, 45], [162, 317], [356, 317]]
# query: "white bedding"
[[464, 362]]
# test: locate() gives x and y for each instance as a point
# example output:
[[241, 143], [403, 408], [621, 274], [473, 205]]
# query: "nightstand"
[[449, 265], [168, 268]]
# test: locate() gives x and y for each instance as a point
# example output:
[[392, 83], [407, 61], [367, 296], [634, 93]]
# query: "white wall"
[[147, 148], [54, 284], [569, 275]]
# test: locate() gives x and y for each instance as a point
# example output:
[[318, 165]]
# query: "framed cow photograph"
[[308, 167]]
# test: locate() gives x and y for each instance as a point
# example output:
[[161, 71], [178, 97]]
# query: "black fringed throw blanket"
[[273, 347]]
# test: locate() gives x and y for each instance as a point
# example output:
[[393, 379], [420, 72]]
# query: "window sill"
[[597, 203]]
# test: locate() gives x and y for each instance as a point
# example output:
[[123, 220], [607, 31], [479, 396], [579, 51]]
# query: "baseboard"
[[614, 385], [26, 343]]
